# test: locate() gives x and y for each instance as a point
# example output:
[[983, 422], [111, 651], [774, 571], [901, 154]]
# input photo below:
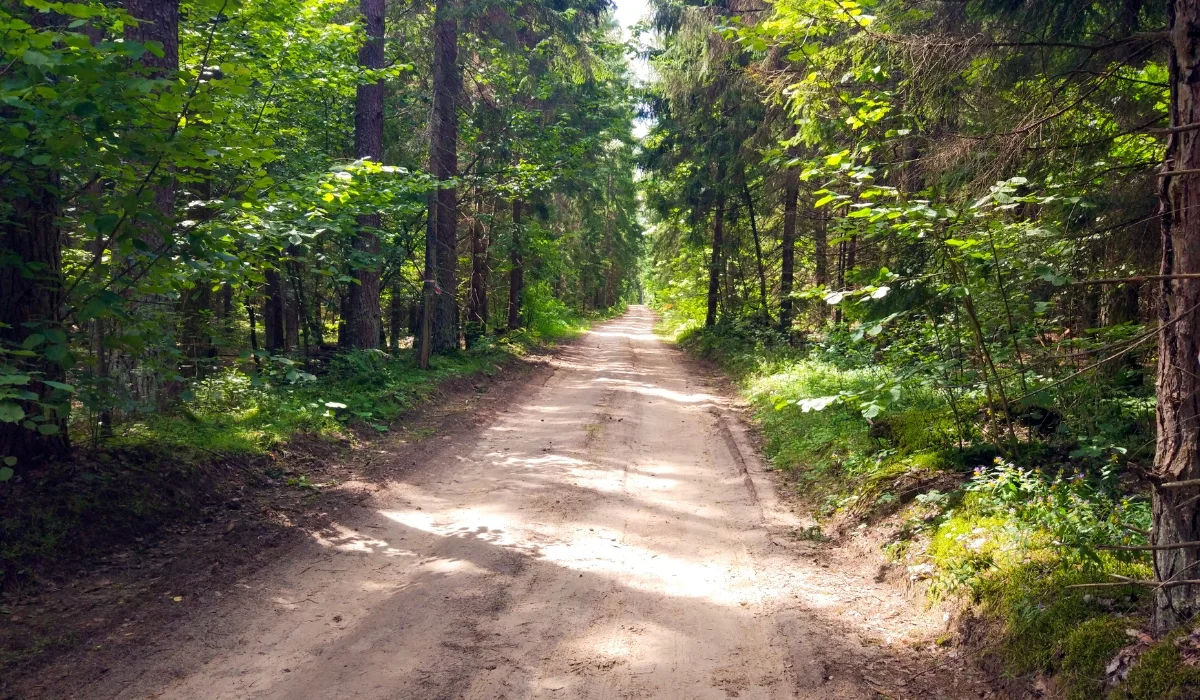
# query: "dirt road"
[[610, 535]]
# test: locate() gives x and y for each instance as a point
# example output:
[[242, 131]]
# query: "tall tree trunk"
[[428, 286], [758, 256], [253, 331], [841, 278], [516, 276], [158, 21], [396, 317], [297, 303], [196, 308], [226, 308], [32, 292], [443, 163], [196, 305], [317, 319], [791, 193], [820, 251], [363, 324], [274, 334], [477, 308], [717, 263], [1177, 456], [291, 316]]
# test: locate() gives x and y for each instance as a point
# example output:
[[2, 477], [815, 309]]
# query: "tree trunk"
[[1177, 456], [226, 308], [253, 331], [820, 251], [396, 318], [196, 308], [717, 263], [516, 276], [274, 334], [158, 21], [291, 316], [477, 308], [791, 193], [443, 164], [31, 287], [758, 256], [363, 323]]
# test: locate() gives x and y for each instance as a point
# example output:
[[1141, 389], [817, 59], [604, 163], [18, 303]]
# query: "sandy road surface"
[[611, 535]]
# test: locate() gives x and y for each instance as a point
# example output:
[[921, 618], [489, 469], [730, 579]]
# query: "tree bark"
[[717, 263], [396, 318], [791, 193], [758, 256], [273, 313], [363, 323], [820, 251], [443, 164], [477, 308], [516, 275], [32, 292], [158, 21], [1177, 455]]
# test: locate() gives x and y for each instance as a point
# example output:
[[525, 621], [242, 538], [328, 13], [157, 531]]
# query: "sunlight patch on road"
[[649, 390], [350, 540], [644, 337]]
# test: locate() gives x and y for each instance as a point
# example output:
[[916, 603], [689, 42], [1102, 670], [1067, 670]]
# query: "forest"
[[948, 250], [201, 196]]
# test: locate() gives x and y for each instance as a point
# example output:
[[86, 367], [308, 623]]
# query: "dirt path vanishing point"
[[610, 535]]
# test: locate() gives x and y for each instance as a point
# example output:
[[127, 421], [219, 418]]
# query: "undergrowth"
[[1009, 533]]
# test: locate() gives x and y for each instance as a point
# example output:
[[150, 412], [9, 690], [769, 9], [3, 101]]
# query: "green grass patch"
[[243, 413]]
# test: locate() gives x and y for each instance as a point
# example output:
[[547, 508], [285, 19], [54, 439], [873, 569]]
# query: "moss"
[[1160, 674], [1086, 652]]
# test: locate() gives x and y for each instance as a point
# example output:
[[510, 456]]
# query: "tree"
[[1177, 453], [31, 286], [362, 305], [440, 332], [791, 193], [516, 273], [717, 262]]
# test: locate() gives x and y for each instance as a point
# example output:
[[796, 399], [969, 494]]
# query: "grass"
[[1008, 539]]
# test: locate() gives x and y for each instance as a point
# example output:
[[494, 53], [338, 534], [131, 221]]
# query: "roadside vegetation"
[[236, 226], [921, 237]]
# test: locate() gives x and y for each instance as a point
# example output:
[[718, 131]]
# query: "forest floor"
[[598, 527]]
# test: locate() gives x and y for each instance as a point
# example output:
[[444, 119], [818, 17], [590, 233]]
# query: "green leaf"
[[6, 473], [10, 412], [35, 58], [14, 379], [59, 385], [48, 428], [10, 461]]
